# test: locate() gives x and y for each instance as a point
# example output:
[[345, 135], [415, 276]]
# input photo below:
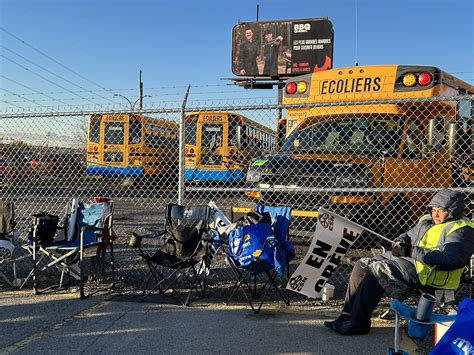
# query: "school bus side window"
[[94, 131], [415, 143], [233, 133], [190, 132], [135, 132]]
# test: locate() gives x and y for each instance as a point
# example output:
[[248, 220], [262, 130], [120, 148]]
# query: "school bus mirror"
[[452, 137], [431, 128], [436, 133], [238, 136]]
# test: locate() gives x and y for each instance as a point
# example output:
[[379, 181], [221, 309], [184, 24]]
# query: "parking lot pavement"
[[61, 323]]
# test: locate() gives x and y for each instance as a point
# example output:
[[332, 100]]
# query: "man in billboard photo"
[[270, 52], [248, 55]]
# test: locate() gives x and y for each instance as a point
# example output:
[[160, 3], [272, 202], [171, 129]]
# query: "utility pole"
[[140, 94]]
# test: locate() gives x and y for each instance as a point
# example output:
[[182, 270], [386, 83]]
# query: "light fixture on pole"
[[132, 105]]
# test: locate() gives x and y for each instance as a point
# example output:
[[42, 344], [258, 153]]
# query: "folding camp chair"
[[87, 232], [7, 242], [186, 247], [269, 256]]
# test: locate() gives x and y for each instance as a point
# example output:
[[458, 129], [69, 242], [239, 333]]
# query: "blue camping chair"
[[260, 249], [7, 243], [87, 227]]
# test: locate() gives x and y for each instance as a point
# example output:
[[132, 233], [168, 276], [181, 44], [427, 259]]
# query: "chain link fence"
[[376, 163]]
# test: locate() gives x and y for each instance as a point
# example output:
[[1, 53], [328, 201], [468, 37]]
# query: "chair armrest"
[[91, 228]]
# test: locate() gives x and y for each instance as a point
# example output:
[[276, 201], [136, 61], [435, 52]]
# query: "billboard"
[[282, 48]]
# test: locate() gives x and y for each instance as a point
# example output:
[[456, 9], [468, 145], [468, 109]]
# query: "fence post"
[[182, 123]]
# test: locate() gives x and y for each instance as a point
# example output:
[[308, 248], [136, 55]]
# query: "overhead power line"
[[44, 78], [52, 59], [52, 73], [35, 102], [29, 88]]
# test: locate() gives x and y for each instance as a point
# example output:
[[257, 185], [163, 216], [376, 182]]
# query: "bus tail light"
[[95, 149], [301, 87], [191, 118], [231, 152], [425, 78], [409, 79], [291, 88], [415, 78]]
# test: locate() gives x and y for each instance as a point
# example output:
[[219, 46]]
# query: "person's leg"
[[366, 298], [358, 272], [357, 275]]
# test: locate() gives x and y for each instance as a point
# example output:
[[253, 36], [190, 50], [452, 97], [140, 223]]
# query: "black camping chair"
[[7, 242], [271, 258], [87, 232], [186, 244]]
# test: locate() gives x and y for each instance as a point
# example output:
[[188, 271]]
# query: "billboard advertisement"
[[282, 48]]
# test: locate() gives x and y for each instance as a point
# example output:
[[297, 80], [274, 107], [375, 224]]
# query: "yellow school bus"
[[220, 145], [131, 146], [368, 127]]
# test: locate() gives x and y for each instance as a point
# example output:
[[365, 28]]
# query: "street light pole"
[[132, 105]]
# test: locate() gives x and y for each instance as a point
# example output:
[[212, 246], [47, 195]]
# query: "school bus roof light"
[[291, 88], [425, 78], [302, 86], [409, 79]]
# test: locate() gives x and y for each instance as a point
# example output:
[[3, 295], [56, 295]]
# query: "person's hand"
[[279, 39], [242, 72], [400, 248]]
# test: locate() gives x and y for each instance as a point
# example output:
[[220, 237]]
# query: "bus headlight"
[[253, 175]]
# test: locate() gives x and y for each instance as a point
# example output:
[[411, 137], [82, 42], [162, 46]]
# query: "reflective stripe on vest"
[[434, 239]]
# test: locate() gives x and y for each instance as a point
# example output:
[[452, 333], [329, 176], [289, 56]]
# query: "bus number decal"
[[350, 85]]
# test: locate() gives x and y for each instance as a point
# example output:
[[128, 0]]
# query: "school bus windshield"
[[369, 136]]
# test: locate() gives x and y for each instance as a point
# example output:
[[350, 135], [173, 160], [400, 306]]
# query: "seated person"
[[431, 255]]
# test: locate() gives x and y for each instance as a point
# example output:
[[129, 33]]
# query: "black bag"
[[254, 218], [46, 225]]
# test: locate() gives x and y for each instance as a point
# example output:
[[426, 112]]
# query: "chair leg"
[[35, 286], [158, 285], [240, 283], [112, 263], [81, 270]]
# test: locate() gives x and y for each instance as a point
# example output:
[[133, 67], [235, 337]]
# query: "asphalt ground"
[[61, 323]]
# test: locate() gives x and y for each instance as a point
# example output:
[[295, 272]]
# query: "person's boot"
[[350, 328], [341, 318]]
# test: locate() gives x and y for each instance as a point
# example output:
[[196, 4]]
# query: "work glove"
[[401, 248]]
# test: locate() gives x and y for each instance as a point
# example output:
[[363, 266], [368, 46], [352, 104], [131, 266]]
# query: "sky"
[[81, 52]]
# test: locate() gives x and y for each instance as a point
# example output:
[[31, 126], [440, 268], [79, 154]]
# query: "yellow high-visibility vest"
[[434, 239]]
